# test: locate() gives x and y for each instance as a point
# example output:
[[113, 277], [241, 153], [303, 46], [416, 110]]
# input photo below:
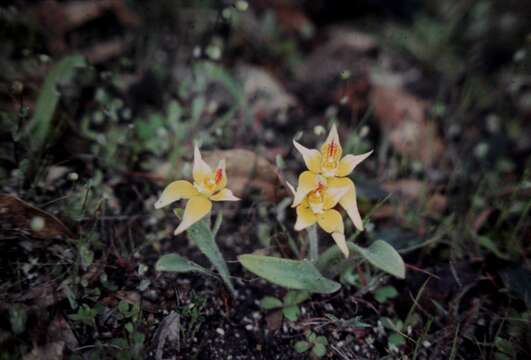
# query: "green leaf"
[[295, 297], [291, 312], [505, 346], [178, 264], [292, 274], [396, 340], [384, 257], [123, 307], [518, 280], [18, 317], [395, 325], [200, 234], [129, 327], [488, 244], [302, 346], [321, 340], [86, 255], [319, 350], [311, 337], [385, 293], [270, 302], [41, 123]]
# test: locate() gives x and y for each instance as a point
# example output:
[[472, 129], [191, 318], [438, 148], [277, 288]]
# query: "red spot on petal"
[[218, 176], [332, 149]]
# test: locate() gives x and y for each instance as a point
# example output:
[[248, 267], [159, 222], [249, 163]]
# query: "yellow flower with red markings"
[[318, 207], [328, 164], [207, 186]]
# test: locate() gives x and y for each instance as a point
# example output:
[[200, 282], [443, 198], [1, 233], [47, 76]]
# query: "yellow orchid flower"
[[208, 186], [317, 207], [328, 164]]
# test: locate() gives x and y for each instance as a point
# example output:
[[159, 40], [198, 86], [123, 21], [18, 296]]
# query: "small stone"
[[17, 87], [37, 223], [220, 331], [73, 176], [242, 5]]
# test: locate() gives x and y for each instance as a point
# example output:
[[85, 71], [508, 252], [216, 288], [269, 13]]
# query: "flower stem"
[[313, 241]]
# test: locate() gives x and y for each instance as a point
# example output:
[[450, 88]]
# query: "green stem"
[[313, 241], [333, 253], [333, 256], [342, 266]]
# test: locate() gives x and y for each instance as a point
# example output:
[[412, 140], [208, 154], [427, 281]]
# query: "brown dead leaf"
[[59, 330], [482, 218], [403, 120], [248, 171], [263, 92], [413, 191], [292, 19], [51, 351], [106, 50], [167, 333], [60, 18], [344, 50], [19, 216], [407, 188], [274, 320]]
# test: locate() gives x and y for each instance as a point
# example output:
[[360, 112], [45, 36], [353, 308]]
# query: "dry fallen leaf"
[[413, 191], [274, 320], [346, 50], [167, 333], [248, 171], [61, 18], [19, 216], [59, 330], [263, 92], [403, 120], [51, 351]]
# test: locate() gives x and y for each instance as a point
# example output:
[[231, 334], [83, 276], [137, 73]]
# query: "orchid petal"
[[333, 138], [201, 169], [305, 218], [333, 194], [291, 188], [348, 201], [224, 195], [196, 208], [176, 190], [349, 162], [341, 243], [312, 157], [331, 221], [308, 181]]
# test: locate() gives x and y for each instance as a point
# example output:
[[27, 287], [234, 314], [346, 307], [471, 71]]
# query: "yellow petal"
[[349, 162], [312, 157], [196, 208], [348, 201], [176, 190], [201, 169], [339, 238], [331, 221], [308, 181], [291, 188], [224, 195], [305, 217], [333, 194], [333, 138]]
